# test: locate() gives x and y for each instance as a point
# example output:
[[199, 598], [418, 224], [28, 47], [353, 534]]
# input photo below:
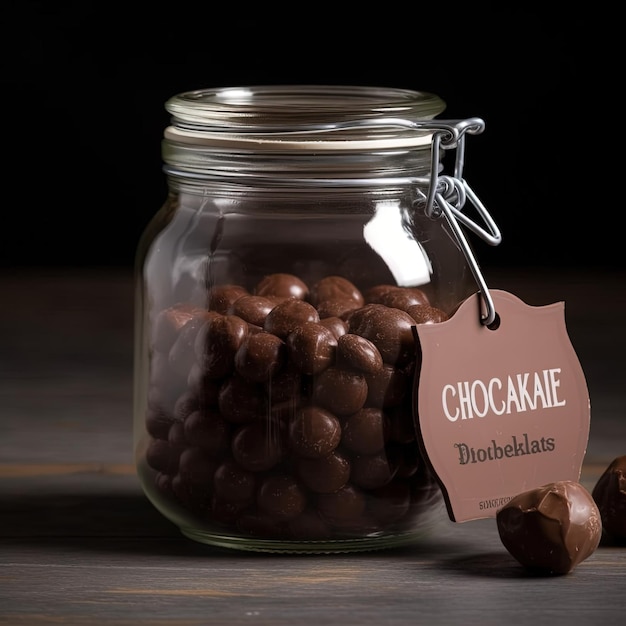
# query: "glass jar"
[[277, 290]]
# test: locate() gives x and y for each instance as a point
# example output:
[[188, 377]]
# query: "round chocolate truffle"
[[326, 474], [359, 353], [552, 528], [257, 446], [403, 297], [342, 392], [260, 356], [311, 348], [253, 309], [208, 430], [281, 497], [609, 494], [216, 343], [222, 297], [366, 431], [314, 432], [282, 285], [337, 325], [240, 400], [335, 288], [426, 314], [345, 504], [233, 483], [389, 329], [288, 315]]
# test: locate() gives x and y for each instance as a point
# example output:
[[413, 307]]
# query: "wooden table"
[[80, 544]]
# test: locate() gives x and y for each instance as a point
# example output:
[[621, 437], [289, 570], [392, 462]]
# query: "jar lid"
[[303, 117]]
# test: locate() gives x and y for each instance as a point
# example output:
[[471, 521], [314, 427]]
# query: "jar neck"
[[300, 136], [360, 170]]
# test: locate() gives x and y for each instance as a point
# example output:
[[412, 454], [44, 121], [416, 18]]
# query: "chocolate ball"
[[205, 388], [337, 325], [426, 314], [341, 392], [196, 466], [371, 471], [346, 503], [253, 309], [284, 387], [374, 294], [208, 430], [240, 400], [389, 329], [311, 348], [359, 353], [260, 356], [326, 474], [217, 342], [163, 456], [158, 423], [552, 528], [403, 297], [609, 493], [222, 297], [335, 288], [176, 435], [281, 497], [314, 432], [339, 307], [388, 387], [233, 483], [257, 446], [168, 323], [282, 285], [366, 431], [187, 403], [288, 315]]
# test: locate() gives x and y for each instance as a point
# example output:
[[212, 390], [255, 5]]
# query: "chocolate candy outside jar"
[[255, 419], [552, 528], [609, 494]]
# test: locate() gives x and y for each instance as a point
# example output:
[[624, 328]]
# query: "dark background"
[[84, 87]]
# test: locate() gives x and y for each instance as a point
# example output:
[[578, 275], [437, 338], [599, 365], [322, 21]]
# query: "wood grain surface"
[[80, 544]]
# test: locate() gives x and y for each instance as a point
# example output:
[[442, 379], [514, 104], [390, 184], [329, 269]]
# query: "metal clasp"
[[447, 196]]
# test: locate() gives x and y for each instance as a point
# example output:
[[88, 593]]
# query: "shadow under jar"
[[277, 288]]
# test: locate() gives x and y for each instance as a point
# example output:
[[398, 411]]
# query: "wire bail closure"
[[449, 135]]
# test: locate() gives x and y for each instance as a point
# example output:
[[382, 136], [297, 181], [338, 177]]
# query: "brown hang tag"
[[500, 411]]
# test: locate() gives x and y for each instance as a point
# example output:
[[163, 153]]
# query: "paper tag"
[[502, 411]]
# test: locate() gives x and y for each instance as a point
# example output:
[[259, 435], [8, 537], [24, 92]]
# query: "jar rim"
[[323, 117]]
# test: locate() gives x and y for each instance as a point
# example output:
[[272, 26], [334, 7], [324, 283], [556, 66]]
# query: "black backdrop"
[[84, 88]]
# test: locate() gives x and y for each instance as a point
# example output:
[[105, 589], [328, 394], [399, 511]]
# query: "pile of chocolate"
[[285, 411]]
